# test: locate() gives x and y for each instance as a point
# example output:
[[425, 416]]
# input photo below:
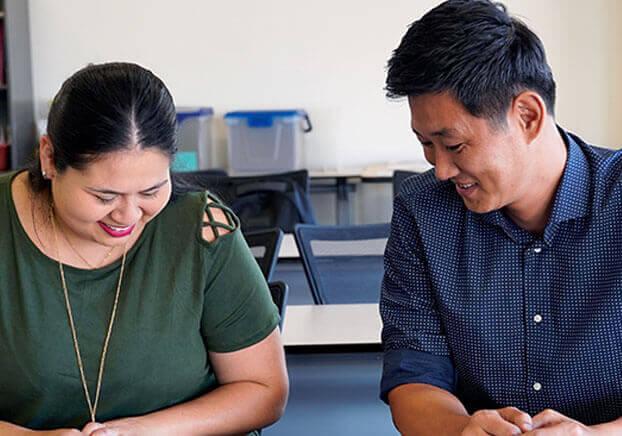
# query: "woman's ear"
[[46, 157]]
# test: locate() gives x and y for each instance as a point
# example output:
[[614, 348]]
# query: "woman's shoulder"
[[199, 215], [6, 179]]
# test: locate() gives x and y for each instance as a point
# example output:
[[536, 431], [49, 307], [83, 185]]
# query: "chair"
[[398, 177], [271, 200], [343, 264], [279, 292], [265, 247], [194, 181], [261, 202]]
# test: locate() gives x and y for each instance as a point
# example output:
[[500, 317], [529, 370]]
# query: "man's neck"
[[532, 213]]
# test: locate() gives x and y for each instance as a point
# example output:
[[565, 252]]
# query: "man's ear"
[[529, 113]]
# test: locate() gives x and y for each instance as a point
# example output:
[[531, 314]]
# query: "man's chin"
[[479, 207]]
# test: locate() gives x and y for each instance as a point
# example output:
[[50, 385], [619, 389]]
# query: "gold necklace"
[[100, 263], [34, 223], [92, 405]]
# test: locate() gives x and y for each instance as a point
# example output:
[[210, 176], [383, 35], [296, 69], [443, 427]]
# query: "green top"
[[181, 296]]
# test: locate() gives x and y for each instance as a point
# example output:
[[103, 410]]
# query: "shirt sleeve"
[[414, 341], [238, 310]]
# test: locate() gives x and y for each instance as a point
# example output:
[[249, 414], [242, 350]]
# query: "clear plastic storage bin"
[[266, 141], [194, 138]]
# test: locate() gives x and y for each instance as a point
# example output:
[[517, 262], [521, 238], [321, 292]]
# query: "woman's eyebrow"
[[111, 192]]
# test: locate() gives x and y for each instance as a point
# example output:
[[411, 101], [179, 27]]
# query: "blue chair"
[[343, 264], [265, 245]]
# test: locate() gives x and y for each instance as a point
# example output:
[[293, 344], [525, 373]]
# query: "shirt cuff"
[[411, 366]]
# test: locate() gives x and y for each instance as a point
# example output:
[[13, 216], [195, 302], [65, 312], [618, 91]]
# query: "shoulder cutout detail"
[[218, 220]]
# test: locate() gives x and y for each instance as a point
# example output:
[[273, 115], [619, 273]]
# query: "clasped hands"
[[118, 427], [512, 421]]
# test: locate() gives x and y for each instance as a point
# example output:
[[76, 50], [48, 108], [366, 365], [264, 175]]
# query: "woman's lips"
[[116, 231]]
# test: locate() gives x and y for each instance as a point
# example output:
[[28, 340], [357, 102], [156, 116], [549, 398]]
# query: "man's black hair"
[[474, 50]]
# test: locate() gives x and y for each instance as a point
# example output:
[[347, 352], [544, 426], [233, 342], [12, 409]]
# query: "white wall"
[[327, 56]]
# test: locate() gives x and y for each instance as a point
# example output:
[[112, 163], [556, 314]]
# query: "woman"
[[123, 311]]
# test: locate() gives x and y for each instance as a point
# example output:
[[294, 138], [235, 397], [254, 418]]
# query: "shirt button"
[[537, 386], [537, 318], [537, 250]]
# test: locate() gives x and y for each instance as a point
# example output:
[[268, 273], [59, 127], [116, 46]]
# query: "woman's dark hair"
[[105, 108], [474, 50]]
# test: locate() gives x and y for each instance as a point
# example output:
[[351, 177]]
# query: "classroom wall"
[[325, 56]]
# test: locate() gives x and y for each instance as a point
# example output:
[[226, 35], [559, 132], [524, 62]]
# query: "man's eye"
[[454, 147], [426, 143]]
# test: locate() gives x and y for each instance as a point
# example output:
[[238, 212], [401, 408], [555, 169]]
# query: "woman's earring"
[[44, 174]]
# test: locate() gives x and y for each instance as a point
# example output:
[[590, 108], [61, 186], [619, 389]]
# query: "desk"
[[330, 325], [288, 248], [334, 363], [377, 173]]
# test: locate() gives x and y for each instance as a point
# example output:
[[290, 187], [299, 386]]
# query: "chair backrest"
[[271, 200], [343, 264], [279, 292], [265, 246], [398, 177], [194, 181], [261, 202]]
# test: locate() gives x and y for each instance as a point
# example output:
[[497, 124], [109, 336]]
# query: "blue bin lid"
[[266, 113], [184, 113], [265, 118]]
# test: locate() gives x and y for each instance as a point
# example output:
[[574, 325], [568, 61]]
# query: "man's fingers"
[[548, 417], [474, 430], [518, 417], [493, 423], [104, 432]]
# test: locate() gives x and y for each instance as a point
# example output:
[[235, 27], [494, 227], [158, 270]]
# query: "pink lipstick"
[[115, 231]]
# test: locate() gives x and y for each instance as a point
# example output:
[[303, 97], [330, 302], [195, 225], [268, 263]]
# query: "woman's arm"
[[252, 394], [8, 429]]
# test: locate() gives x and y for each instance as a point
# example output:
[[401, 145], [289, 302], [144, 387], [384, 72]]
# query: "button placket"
[[536, 308]]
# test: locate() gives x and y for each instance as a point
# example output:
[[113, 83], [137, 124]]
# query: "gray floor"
[[334, 394], [330, 393]]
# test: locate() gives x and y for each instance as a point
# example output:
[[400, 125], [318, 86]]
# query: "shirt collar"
[[572, 199]]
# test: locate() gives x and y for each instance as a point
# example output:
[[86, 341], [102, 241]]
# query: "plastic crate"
[[266, 141], [194, 138]]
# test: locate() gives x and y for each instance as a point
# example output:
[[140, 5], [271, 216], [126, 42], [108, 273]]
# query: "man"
[[502, 295]]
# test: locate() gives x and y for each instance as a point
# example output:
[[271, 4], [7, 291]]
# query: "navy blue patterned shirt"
[[476, 305]]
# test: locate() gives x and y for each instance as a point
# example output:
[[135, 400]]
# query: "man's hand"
[[552, 423], [501, 422]]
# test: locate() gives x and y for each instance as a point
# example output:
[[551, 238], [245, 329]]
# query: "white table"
[[288, 249], [376, 173], [332, 325], [380, 170]]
